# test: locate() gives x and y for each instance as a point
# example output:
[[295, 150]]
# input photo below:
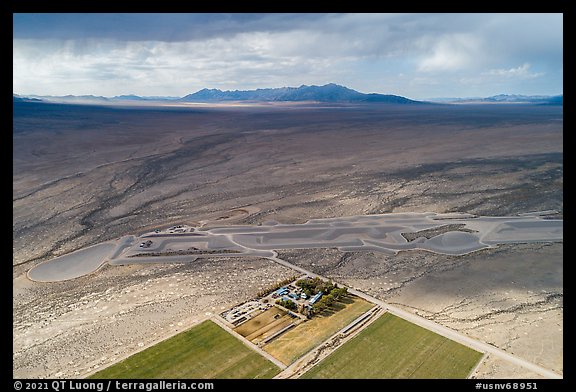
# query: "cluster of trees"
[[312, 286], [332, 293], [327, 300], [339, 292], [286, 303], [275, 286]]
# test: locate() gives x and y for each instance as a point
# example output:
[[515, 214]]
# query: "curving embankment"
[[73, 265]]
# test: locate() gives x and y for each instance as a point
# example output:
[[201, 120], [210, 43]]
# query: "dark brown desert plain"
[[88, 174]]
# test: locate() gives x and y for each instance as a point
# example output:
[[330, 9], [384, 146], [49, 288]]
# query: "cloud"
[[249, 58], [165, 27], [175, 54], [451, 52], [522, 72]]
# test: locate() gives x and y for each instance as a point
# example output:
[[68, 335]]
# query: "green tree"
[[308, 285], [327, 287], [339, 292], [320, 305], [328, 299], [287, 304]]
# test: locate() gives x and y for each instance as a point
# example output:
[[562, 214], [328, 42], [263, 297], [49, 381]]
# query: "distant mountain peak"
[[18, 98], [330, 92]]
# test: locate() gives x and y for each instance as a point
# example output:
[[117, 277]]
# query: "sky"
[[418, 56]]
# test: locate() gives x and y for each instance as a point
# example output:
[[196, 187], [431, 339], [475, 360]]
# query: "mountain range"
[[331, 92], [17, 98], [507, 98], [328, 93]]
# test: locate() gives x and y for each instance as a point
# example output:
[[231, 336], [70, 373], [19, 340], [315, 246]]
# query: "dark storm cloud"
[[154, 27]]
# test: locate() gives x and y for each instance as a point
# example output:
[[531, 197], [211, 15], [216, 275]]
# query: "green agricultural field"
[[304, 337], [204, 351], [392, 347]]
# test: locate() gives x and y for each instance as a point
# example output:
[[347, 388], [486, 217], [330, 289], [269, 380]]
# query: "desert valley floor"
[[84, 175]]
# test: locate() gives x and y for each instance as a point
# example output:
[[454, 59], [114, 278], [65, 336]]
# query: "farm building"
[[316, 298], [282, 291]]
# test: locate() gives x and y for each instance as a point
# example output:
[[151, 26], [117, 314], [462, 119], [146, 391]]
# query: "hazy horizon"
[[210, 88]]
